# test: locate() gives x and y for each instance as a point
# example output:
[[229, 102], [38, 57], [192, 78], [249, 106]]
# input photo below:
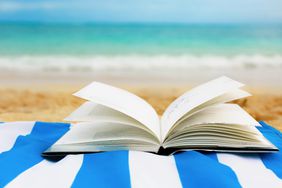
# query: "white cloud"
[[9, 6]]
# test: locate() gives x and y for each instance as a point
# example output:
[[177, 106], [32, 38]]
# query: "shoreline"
[[47, 96], [260, 80]]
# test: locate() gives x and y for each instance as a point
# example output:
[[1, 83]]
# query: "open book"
[[114, 119]]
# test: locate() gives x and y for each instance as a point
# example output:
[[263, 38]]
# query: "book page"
[[122, 101], [223, 125], [226, 97], [226, 114], [104, 136], [195, 97], [106, 131], [220, 137], [92, 112]]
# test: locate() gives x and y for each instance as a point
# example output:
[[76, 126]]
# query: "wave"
[[135, 62]]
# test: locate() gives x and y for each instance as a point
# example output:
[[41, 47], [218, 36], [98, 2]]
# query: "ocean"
[[84, 47]]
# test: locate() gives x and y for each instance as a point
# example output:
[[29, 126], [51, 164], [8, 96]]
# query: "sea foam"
[[136, 62]]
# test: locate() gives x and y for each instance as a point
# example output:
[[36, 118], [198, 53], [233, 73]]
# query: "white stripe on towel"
[[250, 170], [9, 133], [50, 174], [149, 170]]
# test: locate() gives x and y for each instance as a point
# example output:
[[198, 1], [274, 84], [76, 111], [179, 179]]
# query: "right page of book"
[[221, 125], [194, 98]]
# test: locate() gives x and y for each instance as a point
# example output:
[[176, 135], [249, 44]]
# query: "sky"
[[162, 11]]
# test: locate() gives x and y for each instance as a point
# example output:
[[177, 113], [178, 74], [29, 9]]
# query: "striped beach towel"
[[21, 165]]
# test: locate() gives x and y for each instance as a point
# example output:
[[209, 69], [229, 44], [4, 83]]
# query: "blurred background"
[[155, 48]]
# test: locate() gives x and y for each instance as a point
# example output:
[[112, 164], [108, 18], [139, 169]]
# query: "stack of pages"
[[200, 119]]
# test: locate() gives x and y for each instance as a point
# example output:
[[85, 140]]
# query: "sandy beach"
[[27, 99]]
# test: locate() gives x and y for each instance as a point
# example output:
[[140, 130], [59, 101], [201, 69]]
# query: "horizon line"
[[133, 23]]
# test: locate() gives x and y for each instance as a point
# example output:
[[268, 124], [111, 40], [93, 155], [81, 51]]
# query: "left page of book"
[[93, 112], [122, 101], [104, 136]]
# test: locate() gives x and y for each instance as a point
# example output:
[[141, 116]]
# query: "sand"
[[53, 102]]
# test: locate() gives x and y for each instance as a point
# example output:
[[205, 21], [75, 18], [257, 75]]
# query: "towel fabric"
[[21, 165]]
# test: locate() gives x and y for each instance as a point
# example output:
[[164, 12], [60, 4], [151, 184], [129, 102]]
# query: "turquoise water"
[[112, 39]]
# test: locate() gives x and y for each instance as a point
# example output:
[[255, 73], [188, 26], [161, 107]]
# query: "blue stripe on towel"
[[27, 150], [210, 154], [272, 161], [198, 170], [106, 169]]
